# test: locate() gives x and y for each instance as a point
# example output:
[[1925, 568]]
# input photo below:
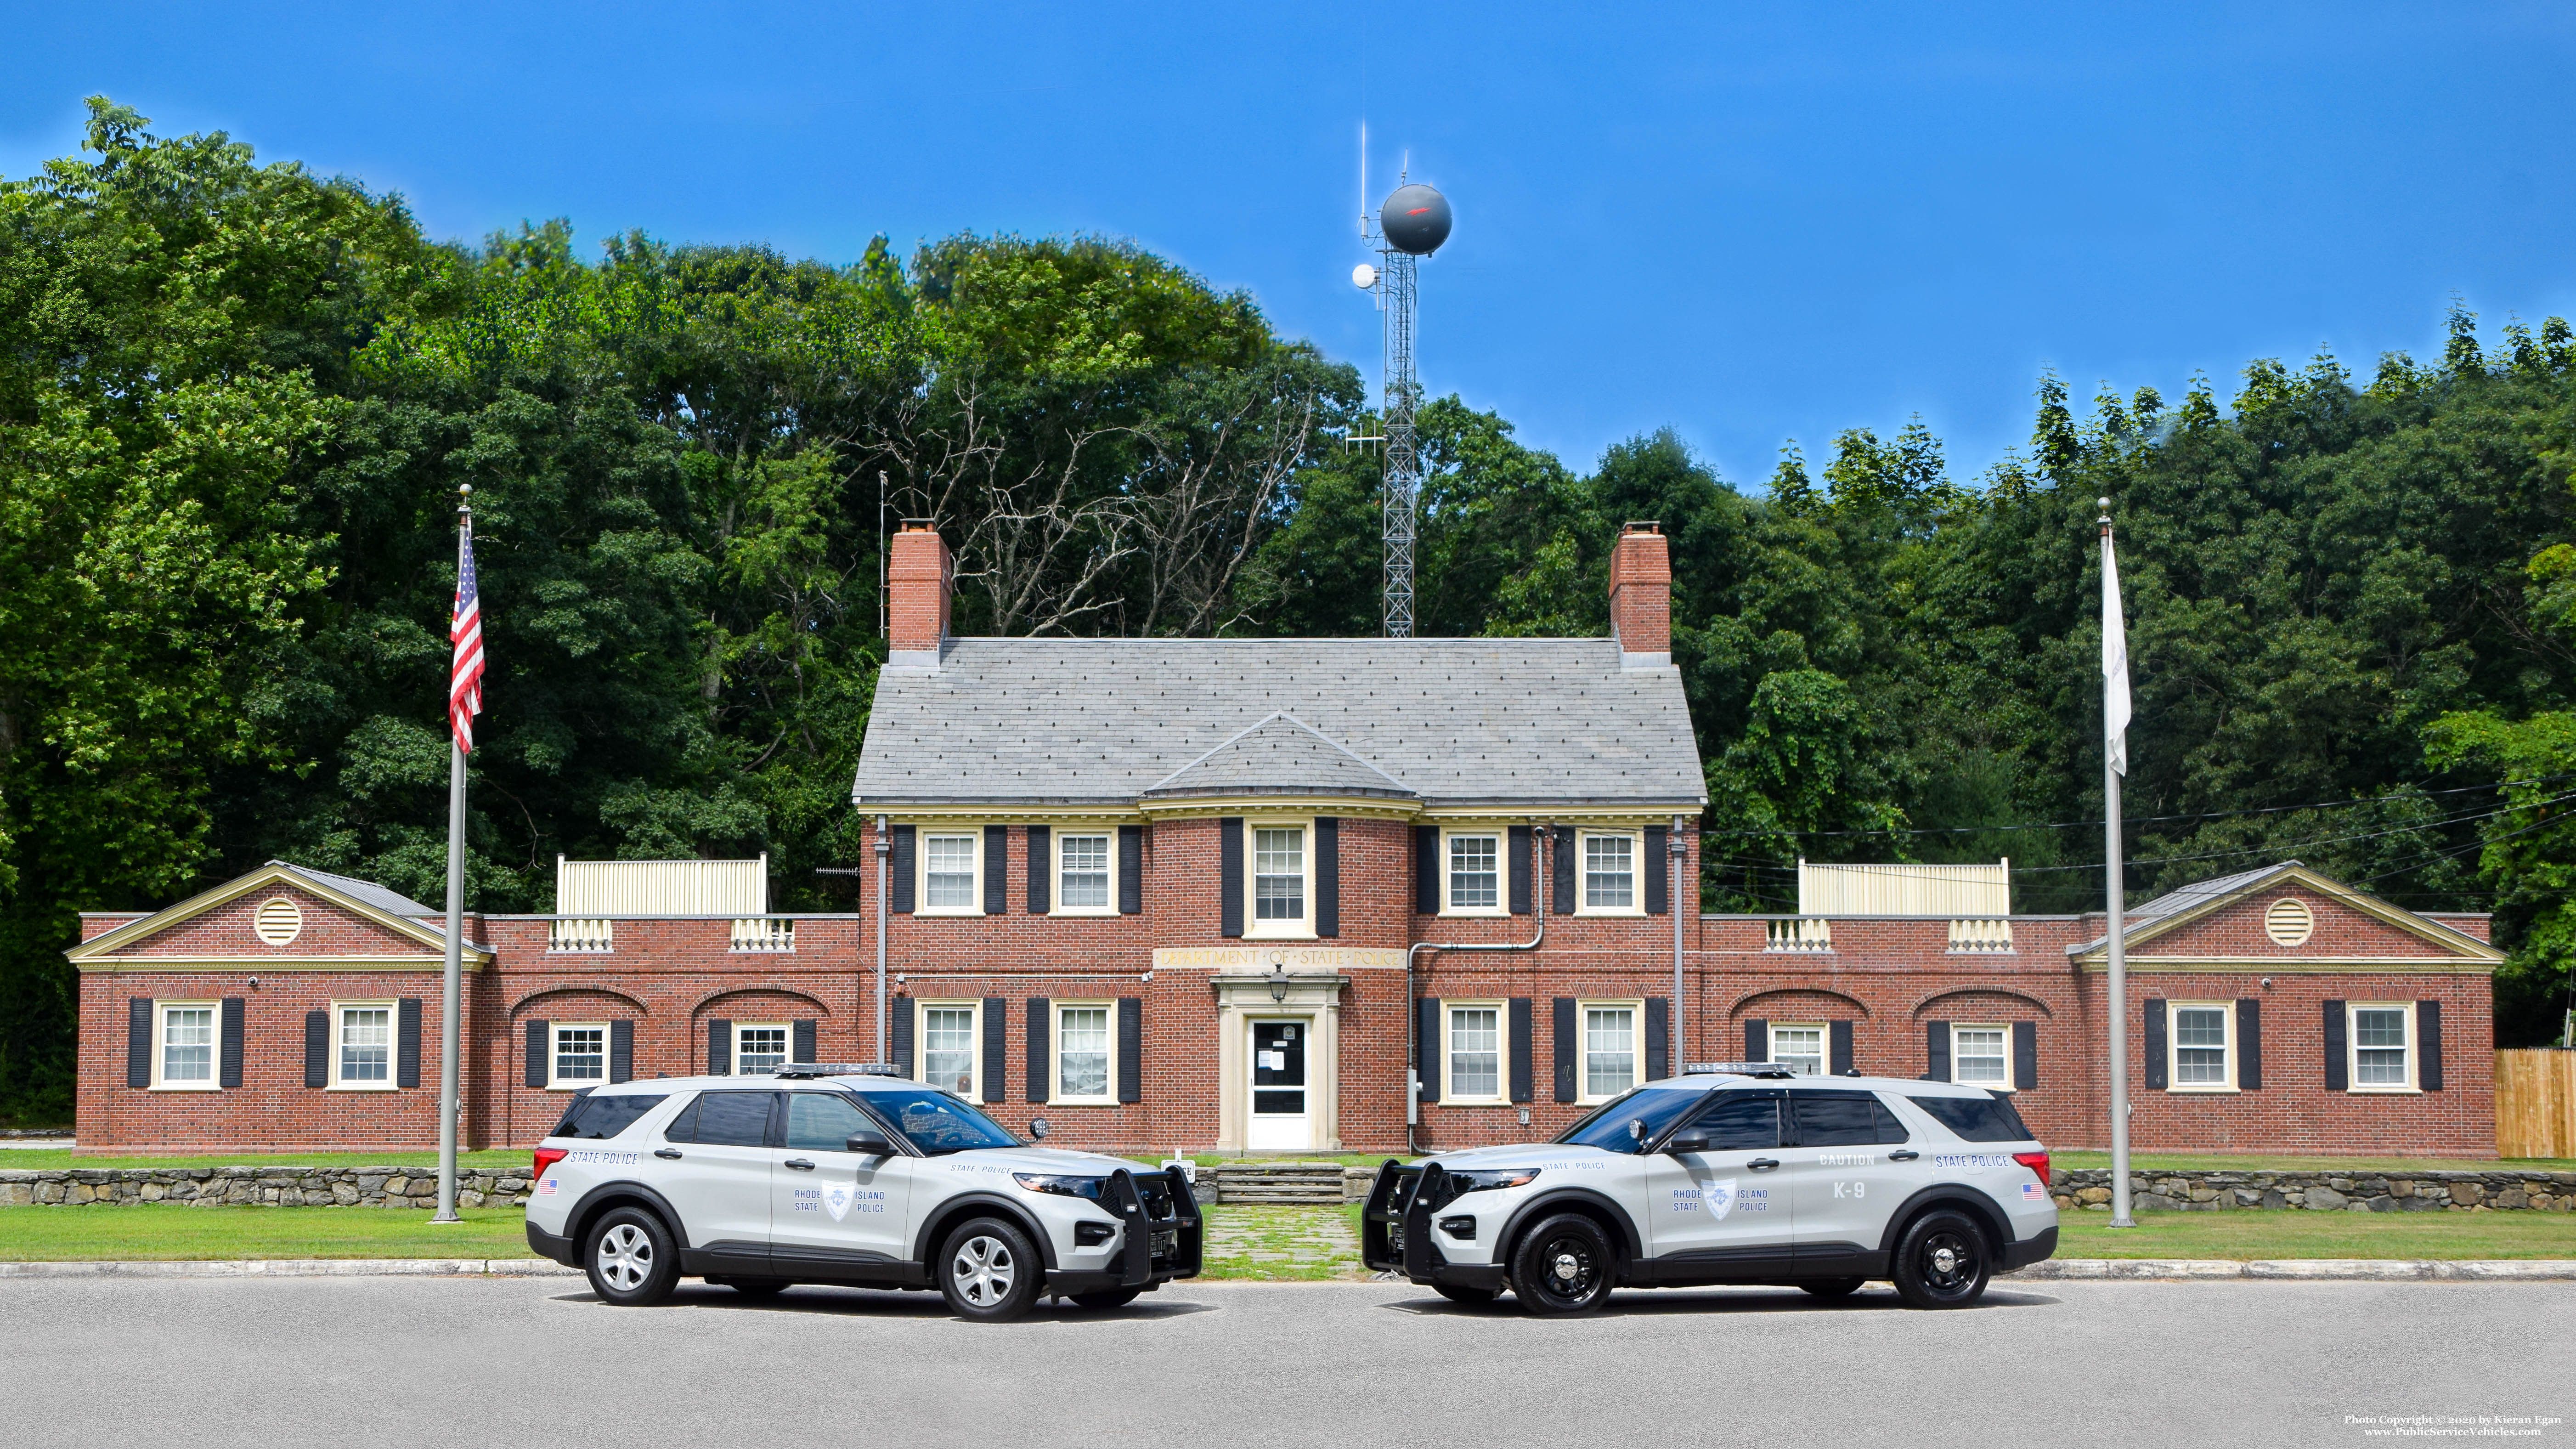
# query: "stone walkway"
[[1281, 1242]]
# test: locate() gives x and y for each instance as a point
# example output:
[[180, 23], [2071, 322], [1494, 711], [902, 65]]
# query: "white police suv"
[[824, 1174], [1739, 1173]]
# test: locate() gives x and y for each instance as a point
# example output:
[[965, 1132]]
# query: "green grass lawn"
[[2154, 1161], [1282, 1244], [40, 1158], [2286, 1234], [170, 1230]]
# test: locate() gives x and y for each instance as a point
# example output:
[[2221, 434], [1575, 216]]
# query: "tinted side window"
[[1836, 1119], [684, 1127], [1889, 1129], [822, 1121], [734, 1119], [602, 1117], [1741, 1122], [1976, 1119]]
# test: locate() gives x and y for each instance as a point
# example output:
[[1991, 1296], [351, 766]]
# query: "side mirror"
[[1689, 1139], [869, 1142]]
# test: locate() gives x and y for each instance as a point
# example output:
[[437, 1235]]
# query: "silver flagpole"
[[450, 988], [2113, 876]]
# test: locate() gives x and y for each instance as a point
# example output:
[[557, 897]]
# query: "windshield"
[[938, 1123], [1607, 1128]]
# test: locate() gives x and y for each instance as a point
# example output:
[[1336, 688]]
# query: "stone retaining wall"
[[2213, 1190], [405, 1186]]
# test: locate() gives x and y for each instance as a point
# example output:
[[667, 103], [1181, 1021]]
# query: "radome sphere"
[[1415, 219]]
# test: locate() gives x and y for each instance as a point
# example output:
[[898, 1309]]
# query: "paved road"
[[451, 1361]]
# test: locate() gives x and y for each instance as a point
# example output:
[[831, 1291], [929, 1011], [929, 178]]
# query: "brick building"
[[1281, 895]]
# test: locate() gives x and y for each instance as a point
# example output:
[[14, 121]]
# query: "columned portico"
[[1311, 1001]]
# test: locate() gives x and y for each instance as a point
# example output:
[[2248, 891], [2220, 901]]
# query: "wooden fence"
[[2535, 1096]]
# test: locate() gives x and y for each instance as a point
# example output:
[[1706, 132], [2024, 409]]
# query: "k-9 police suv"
[[1738, 1173], [826, 1174]]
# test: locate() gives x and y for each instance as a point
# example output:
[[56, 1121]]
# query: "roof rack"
[[799, 1070], [1773, 1070]]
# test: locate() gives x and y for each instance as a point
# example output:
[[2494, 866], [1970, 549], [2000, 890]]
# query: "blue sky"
[[1745, 224]]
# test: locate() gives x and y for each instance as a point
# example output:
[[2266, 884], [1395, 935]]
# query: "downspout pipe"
[[885, 850], [1541, 841], [1673, 853]]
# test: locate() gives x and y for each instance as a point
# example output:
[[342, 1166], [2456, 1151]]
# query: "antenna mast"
[[1410, 226]]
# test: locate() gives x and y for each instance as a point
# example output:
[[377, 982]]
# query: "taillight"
[[2036, 1162], [549, 1156]]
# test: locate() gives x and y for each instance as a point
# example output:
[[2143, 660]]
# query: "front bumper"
[[1161, 1237], [1396, 1235]]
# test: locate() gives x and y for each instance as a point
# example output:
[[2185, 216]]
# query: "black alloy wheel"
[[1106, 1298], [989, 1271], [1833, 1287], [1562, 1267], [1472, 1297], [1941, 1261], [630, 1258]]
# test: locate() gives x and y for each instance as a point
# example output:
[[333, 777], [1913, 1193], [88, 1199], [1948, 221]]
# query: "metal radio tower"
[[1410, 226]]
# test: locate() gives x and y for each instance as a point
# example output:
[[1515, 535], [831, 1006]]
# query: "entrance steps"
[[1280, 1184]]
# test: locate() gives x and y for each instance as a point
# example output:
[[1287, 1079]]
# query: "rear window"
[[602, 1117], [1976, 1119]]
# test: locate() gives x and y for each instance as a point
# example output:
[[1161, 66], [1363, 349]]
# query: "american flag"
[[465, 631]]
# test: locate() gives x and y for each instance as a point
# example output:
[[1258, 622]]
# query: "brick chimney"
[[917, 590], [1641, 597]]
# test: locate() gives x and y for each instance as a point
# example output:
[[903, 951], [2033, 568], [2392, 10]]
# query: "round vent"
[[278, 921], [2289, 922]]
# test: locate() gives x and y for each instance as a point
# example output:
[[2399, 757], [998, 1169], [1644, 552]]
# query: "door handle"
[[672, 1153], [1903, 1155], [800, 1164], [1763, 1164]]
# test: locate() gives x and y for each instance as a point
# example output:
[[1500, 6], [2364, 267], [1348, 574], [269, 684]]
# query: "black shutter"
[[2249, 1044], [1936, 1051], [1520, 848], [407, 1042], [719, 1048], [1131, 870], [138, 1041], [1229, 876], [1041, 873], [997, 1056], [232, 1018], [1757, 1041], [997, 870], [1561, 1029], [1131, 1049], [1564, 852], [1838, 1041], [800, 1037], [1328, 875], [2428, 1045], [1041, 1009], [1521, 1047], [317, 1048], [540, 1041], [1426, 870], [1659, 1038], [2338, 1070], [2155, 1042], [621, 1051], [899, 1026], [1426, 1046], [901, 866], [2025, 1039], [1657, 888]]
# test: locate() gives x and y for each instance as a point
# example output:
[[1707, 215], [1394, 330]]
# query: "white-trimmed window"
[[951, 1047], [1085, 875], [1614, 1043], [1981, 1054], [187, 1047], [1085, 1043], [1281, 880], [759, 1047], [580, 1055], [1475, 868], [2381, 1037], [362, 1045], [1609, 874], [952, 874], [1799, 1046], [1478, 1062], [2201, 1039]]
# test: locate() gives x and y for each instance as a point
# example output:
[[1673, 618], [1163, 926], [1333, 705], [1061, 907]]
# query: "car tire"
[[1106, 1298], [1942, 1261], [1562, 1267], [1833, 1287], [758, 1287], [630, 1258], [1471, 1297], [989, 1271]]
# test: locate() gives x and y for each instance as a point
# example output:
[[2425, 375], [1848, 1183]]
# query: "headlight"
[[1060, 1184], [1479, 1180]]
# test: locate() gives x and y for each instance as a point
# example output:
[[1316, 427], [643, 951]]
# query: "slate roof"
[[368, 891], [1507, 723]]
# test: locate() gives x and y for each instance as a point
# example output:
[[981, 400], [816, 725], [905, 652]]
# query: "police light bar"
[[1737, 1069], [798, 1070]]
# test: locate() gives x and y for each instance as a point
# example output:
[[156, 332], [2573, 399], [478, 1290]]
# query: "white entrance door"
[[1282, 1103]]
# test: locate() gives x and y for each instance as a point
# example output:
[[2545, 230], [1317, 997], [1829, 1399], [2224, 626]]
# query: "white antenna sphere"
[[1363, 276]]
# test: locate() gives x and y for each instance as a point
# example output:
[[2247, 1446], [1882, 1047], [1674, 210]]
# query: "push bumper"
[[546, 1245], [2037, 1248], [1162, 1234], [1395, 1230]]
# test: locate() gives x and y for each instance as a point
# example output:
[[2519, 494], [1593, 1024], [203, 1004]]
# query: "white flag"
[[2115, 663]]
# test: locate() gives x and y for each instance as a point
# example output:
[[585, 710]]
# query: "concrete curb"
[[300, 1268], [2299, 1270]]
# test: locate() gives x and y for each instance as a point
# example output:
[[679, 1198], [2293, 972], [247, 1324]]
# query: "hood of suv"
[[1039, 1159], [1525, 1154]]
